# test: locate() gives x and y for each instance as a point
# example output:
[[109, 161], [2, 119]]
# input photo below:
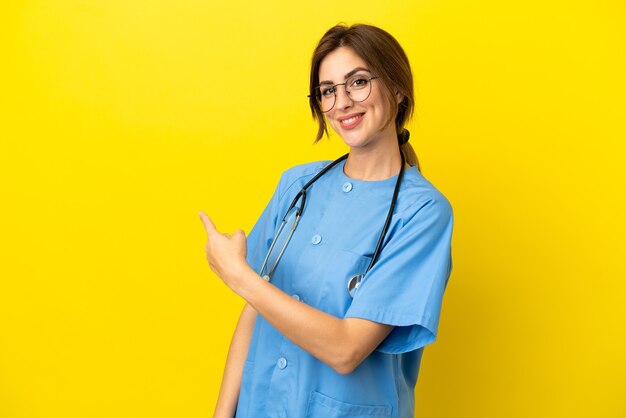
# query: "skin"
[[341, 343]]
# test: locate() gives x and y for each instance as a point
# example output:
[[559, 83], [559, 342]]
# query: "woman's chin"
[[354, 139]]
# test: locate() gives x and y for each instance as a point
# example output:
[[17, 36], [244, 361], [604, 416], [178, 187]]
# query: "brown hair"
[[386, 59]]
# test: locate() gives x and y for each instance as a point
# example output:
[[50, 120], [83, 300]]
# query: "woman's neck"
[[377, 161]]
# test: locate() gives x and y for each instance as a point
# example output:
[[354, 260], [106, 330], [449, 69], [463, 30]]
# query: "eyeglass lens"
[[358, 88]]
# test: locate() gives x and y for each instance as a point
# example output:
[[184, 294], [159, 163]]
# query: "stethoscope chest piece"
[[354, 283]]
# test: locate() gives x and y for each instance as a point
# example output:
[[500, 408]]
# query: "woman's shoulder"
[[305, 169], [301, 173], [418, 191]]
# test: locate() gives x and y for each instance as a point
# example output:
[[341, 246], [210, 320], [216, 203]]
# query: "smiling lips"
[[350, 121]]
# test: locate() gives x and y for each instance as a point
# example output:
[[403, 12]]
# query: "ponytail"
[[407, 149]]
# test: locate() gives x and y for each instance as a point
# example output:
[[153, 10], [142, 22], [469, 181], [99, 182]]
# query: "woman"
[[335, 326]]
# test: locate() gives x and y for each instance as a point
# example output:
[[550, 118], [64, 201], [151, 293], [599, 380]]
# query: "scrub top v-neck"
[[335, 240]]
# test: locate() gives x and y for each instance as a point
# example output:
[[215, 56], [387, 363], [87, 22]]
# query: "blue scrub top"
[[335, 239]]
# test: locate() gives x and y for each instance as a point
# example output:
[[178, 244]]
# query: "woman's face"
[[359, 124]]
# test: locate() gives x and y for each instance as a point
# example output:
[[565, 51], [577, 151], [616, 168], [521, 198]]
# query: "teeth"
[[352, 119]]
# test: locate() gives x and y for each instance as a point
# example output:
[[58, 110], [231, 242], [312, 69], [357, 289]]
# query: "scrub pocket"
[[322, 406]]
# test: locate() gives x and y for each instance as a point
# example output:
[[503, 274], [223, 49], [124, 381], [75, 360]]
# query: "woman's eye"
[[359, 82], [328, 91]]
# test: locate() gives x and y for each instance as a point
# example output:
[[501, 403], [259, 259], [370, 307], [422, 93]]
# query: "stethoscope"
[[295, 212]]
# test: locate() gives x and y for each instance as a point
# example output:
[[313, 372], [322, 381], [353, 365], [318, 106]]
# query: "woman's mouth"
[[351, 121]]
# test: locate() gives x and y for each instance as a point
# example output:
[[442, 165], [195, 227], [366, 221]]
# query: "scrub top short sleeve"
[[405, 287], [260, 237]]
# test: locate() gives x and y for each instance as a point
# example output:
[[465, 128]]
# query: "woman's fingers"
[[240, 237], [222, 249], [209, 226]]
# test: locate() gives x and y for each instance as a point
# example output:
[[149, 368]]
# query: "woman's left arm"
[[341, 343]]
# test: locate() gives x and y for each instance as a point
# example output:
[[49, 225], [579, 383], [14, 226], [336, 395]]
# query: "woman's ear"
[[399, 97]]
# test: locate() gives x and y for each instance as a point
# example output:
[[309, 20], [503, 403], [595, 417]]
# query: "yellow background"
[[120, 120]]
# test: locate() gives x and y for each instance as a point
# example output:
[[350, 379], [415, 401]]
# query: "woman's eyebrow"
[[348, 75]]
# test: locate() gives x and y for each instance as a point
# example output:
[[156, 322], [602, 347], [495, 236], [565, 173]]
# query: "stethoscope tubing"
[[392, 206], [300, 210]]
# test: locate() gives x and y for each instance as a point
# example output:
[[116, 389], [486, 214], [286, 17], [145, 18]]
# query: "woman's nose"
[[342, 98]]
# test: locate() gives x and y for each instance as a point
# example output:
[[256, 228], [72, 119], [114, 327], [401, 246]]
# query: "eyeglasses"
[[358, 88]]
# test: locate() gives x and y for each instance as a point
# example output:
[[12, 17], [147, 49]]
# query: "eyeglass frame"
[[334, 86]]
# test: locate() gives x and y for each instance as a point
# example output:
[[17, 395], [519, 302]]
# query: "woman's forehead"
[[339, 63]]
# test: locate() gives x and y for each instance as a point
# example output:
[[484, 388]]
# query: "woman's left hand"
[[226, 254]]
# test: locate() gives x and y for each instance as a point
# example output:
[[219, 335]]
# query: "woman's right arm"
[[233, 371]]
